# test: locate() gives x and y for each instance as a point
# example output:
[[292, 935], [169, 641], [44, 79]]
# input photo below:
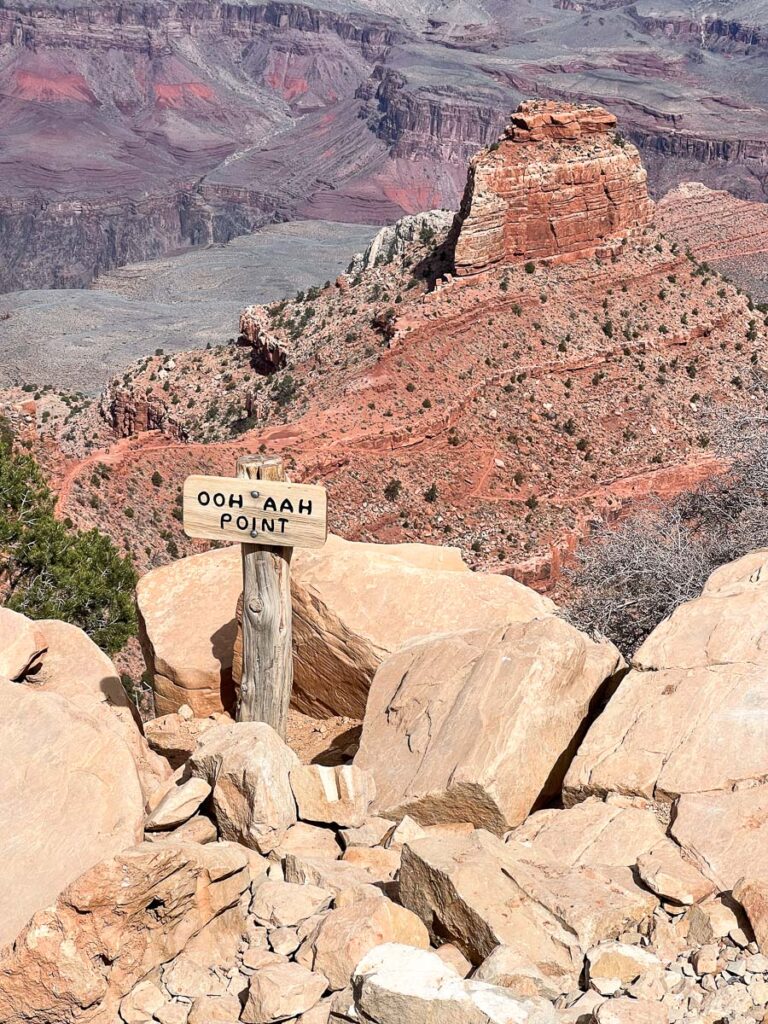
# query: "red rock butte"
[[559, 182]]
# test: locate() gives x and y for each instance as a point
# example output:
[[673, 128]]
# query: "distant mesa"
[[559, 182]]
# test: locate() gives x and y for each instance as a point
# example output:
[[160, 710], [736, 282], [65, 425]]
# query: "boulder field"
[[529, 831]]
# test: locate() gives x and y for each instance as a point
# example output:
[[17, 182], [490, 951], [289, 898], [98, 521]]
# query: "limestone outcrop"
[[559, 182], [434, 738]]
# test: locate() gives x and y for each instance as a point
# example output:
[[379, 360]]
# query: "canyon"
[[136, 129], [511, 404]]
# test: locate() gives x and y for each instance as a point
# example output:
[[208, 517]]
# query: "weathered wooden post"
[[268, 516], [267, 679]]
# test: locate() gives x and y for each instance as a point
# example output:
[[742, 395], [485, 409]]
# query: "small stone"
[[178, 805], [284, 940], [705, 959], [282, 991], [284, 904], [175, 1012], [210, 1009], [141, 1003], [616, 960]]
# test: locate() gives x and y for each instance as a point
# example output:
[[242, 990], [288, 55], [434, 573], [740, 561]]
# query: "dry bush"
[[628, 579]]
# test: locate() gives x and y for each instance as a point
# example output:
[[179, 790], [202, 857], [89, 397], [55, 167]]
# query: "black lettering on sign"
[[225, 520], [283, 524], [268, 525], [285, 505], [219, 500], [242, 522], [203, 498], [269, 505], [235, 499], [305, 505]]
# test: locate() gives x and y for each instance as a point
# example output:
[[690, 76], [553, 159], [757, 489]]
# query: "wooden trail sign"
[[276, 512], [268, 516]]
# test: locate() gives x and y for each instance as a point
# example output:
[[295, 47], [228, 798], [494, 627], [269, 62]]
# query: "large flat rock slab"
[[692, 715], [479, 726]]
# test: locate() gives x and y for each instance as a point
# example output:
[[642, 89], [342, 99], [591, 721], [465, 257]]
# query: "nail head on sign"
[[255, 494], [254, 533]]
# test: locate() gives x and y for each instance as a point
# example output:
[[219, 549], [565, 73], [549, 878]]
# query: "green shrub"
[[52, 571]]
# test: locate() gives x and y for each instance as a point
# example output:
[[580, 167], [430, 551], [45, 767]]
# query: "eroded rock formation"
[[559, 182]]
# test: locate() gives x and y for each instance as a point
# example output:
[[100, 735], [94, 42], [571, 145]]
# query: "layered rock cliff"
[[559, 182]]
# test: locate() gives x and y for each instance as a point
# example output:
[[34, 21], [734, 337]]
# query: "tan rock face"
[[75, 668], [187, 630], [471, 727], [70, 796], [345, 935], [592, 833], [353, 604], [725, 834], [692, 716], [116, 923], [248, 766], [558, 183]]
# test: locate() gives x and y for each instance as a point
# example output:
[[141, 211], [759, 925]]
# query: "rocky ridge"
[[511, 409], [556, 184]]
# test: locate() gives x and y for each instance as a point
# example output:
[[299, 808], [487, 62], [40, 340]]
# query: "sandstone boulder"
[[21, 644], [111, 927], [345, 935], [248, 767], [178, 805], [665, 871], [692, 715], [75, 668], [752, 894], [353, 604], [394, 984], [592, 833], [187, 630], [725, 834], [481, 893], [477, 726], [333, 795], [70, 796], [284, 904]]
